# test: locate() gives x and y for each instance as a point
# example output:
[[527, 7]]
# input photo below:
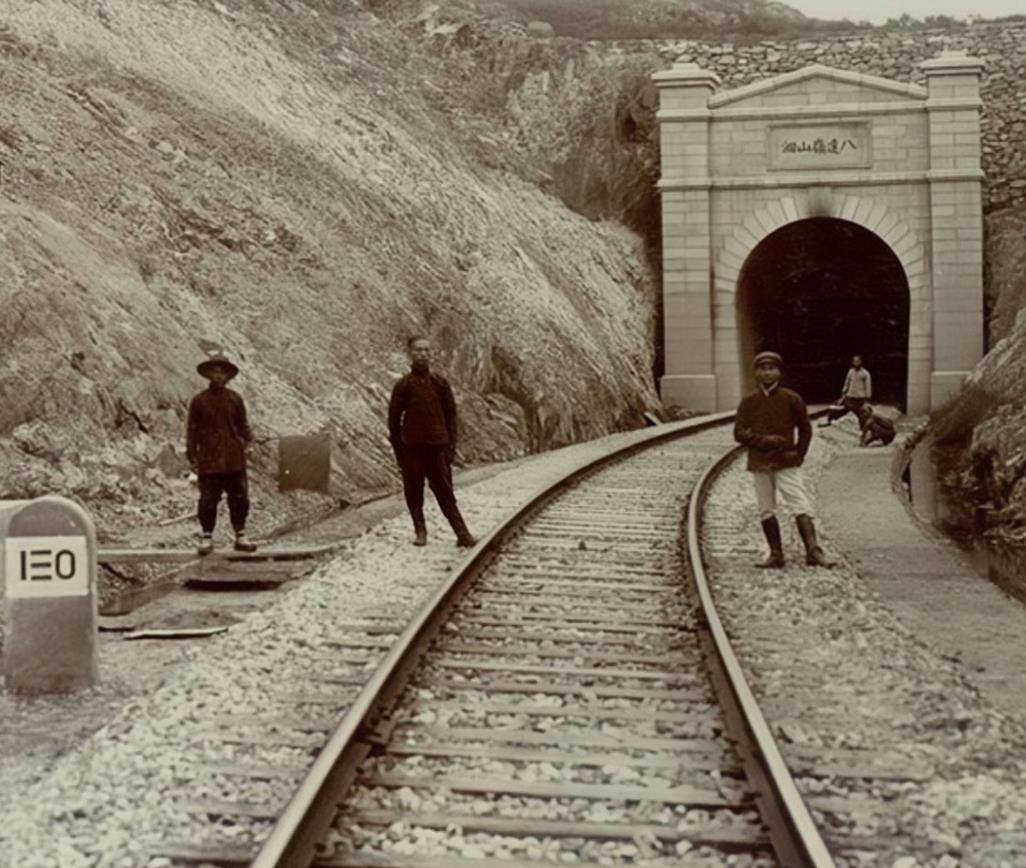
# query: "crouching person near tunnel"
[[422, 430], [766, 423], [217, 444]]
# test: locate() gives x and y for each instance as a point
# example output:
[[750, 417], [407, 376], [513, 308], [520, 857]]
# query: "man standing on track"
[[217, 445], [422, 430], [766, 423]]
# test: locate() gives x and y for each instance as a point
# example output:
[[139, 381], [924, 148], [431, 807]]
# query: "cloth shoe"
[[420, 537], [206, 544], [814, 556], [771, 530], [242, 543], [466, 540]]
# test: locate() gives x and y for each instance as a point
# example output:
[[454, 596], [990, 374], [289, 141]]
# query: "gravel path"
[[836, 667]]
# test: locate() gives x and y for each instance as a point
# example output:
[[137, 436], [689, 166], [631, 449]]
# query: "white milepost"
[[48, 560]]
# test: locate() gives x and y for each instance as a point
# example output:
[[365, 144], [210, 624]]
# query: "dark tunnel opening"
[[819, 291]]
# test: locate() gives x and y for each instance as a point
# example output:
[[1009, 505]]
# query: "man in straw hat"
[[217, 443], [766, 423]]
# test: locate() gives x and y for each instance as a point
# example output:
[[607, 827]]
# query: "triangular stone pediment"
[[841, 84]]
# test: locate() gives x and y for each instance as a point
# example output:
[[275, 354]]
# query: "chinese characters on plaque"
[[819, 146]]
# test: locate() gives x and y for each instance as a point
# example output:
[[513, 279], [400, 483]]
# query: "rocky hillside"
[[308, 181], [287, 179], [982, 453]]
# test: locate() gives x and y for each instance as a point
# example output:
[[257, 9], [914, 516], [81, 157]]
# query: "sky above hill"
[[878, 11]]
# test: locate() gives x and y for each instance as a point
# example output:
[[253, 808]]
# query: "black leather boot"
[[771, 530], [814, 556]]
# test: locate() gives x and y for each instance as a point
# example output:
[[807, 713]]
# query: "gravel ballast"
[[111, 799], [833, 666]]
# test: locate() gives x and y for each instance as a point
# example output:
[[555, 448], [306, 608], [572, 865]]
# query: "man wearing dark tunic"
[[217, 443], [422, 430], [767, 422]]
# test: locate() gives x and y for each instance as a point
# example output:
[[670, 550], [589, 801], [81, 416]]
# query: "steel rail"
[[795, 836], [306, 818]]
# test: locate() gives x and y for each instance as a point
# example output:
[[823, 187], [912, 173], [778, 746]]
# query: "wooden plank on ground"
[[712, 714], [624, 741], [445, 662], [693, 761], [557, 654], [493, 617], [364, 859], [514, 584], [180, 556], [499, 685], [693, 797], [652, 643], [705, 834]]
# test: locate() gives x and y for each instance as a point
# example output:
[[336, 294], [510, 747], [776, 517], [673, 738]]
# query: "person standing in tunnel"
[[422, 430], [767, 423], [857, 390], [217, 442]]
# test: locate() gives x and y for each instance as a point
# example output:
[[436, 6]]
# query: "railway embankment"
[[166, 735]]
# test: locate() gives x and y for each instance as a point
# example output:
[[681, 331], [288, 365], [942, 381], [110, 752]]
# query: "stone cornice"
[[742, 113], [822, 179], [686, 75], [818, 70], [952, 63]]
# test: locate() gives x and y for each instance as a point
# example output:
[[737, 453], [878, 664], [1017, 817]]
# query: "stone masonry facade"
[[897, 158], [898, 55]]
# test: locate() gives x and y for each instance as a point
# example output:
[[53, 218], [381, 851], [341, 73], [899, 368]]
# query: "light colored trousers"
[[789, 483]]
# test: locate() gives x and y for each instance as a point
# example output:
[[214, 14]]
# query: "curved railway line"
[[570, 690]]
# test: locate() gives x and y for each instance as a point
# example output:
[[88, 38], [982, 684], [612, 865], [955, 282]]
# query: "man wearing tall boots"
[[422, 429], [767, 422]]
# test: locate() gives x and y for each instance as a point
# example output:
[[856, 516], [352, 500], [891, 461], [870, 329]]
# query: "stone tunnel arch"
[[868, 256], [899, 161], [820, 291]]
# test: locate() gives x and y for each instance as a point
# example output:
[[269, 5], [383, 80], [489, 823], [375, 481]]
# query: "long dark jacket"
[[766, 424], [217, 431], [422, 411]]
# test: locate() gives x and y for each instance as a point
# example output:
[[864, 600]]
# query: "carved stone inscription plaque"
[[819, 146]]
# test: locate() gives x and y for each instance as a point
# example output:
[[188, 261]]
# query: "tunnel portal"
[[818, 291], [821, 212]]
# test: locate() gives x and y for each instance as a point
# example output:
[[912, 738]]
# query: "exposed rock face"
[[309, 181], [1005, 270], [985, 465], [278, 182]]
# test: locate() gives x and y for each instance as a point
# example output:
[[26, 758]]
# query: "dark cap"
[[767, 356]]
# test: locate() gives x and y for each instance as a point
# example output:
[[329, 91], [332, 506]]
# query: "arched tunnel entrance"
[[819, 291]]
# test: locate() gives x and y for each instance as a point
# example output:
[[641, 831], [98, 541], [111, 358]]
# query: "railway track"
[[566, 697]]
